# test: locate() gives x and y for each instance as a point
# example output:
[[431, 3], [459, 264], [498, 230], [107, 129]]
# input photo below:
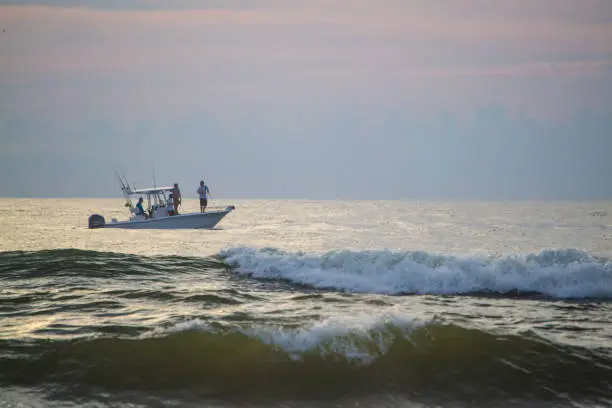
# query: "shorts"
[[203, 202]]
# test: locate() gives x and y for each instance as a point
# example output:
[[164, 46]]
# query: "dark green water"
[[240, 329]]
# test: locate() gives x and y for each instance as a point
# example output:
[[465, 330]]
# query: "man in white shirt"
[[203, 192]]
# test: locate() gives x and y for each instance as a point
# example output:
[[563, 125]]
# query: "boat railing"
[[221, 208], [212, 209], [162, 212]]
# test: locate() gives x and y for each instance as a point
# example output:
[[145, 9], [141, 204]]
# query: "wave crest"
[[329, 359], [557, 273]]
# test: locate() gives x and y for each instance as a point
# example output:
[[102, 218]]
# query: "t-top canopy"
[[150, 190]]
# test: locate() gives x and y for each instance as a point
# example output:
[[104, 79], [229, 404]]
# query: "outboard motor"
[[96, 221]]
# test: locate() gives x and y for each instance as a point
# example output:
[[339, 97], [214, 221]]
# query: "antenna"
[[125, 188]]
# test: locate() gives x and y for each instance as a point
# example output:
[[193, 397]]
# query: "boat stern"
[[96, 221]]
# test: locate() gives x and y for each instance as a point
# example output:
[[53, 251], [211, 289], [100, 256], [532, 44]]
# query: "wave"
[[555, 273], [367, 355], [95, 264], [559, 274]]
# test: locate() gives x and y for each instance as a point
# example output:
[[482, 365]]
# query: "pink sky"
[[309, 98], [544, 58]]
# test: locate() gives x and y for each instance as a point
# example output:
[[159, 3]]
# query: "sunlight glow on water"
[[443, 227], [412, 301]]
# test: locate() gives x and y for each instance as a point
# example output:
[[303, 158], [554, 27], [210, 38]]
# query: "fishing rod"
[[125, 188]]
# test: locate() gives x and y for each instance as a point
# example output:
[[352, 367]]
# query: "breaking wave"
[[366, 355], [79, 323], [555, 273]]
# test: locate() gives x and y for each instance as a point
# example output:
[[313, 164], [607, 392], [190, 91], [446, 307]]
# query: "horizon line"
[[414, 199]]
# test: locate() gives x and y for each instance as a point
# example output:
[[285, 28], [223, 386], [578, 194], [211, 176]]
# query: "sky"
[[308, 99]]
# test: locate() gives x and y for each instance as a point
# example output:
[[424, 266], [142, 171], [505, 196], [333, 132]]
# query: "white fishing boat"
[[156, 214]]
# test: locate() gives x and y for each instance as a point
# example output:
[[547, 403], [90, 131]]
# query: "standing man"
[[177, 197], [203, 191]]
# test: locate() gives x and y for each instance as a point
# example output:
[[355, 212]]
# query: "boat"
[[156, 213]]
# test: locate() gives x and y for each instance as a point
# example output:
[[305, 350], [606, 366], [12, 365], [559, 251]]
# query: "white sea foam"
[[557, 273], [360, 337]]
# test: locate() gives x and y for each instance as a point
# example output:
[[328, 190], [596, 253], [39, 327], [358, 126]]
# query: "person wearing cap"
[[203, 192]]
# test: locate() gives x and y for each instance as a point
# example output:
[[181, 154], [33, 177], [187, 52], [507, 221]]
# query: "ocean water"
[[292, 303]]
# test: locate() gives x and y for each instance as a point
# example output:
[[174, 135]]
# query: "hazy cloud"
[[150, 4], [309, 98]]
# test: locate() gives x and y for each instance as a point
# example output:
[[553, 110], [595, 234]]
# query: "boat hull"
[[205, 220]]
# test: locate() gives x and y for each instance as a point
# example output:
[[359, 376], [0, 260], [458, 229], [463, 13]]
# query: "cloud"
[[597, 11], [401, 38], [407, 32], [311, 97], [150, 4], [334, 153], [533, 69], [59, 61]]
